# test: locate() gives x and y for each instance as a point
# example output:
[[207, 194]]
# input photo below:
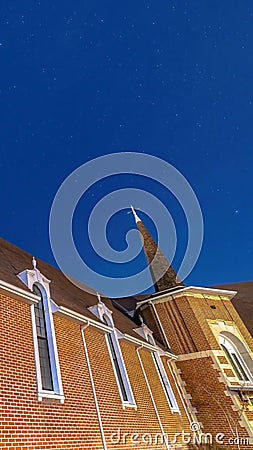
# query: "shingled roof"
[[13, 260]]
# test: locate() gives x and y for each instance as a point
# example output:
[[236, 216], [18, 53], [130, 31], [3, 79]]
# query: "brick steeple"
[[163, 274]]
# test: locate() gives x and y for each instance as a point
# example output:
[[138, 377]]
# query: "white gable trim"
[[29, 277]]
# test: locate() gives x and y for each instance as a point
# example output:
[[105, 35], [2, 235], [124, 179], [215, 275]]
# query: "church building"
[[167, 370]]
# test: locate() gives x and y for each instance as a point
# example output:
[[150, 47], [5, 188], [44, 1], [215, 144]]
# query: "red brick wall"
[[27, 423], [214, 408], [184, 321]]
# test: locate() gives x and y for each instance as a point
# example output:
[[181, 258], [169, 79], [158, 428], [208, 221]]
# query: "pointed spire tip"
[[136, 217]]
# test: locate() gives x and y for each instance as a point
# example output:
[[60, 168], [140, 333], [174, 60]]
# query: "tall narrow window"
[[47, 365], [118, 364], [163, 377], [43, 347]]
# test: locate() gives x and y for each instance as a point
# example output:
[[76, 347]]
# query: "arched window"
[[163, 377], [46, 355], [118, 364], [45, 349], [235, 352]]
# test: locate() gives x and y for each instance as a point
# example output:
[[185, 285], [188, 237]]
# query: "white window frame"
[[171, 399], [231, 349], [101, 311], [31, 278], [169, 394]]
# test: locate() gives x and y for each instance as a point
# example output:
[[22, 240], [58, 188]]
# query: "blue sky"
[[172, 79]]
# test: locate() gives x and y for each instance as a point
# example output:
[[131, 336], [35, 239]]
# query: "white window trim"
[[231, 348], [165, 383], [31, 278], [130, 402], [101, 310], [145, 331]]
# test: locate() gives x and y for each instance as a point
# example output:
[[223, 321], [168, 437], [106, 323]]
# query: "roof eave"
[[18, 293], [156, 298]]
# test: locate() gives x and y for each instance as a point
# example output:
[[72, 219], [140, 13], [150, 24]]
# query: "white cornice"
[[30, 298], [159, 298], [100, 326], [18, 293], [150, 347], [81, 318]]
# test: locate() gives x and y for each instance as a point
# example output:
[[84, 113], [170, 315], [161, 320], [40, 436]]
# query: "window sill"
[[241, 387], [129, 405], [175, 410], [52, 395]]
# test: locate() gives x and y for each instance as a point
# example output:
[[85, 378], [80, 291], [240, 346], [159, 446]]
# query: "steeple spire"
[[163, 274], [136, 217]]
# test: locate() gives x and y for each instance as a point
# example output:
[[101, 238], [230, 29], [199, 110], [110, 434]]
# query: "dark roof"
[[243, 301], [13, 260], [129, 303]]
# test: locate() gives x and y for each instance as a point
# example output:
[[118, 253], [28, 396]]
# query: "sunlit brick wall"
[[27, 423]]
